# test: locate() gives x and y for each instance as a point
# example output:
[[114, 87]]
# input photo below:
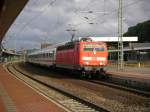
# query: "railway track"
[[117, 86], [67, 101], [107, 97], [111, 84]]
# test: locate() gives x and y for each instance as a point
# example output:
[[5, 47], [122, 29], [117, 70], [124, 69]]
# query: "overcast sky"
[[47, 20]]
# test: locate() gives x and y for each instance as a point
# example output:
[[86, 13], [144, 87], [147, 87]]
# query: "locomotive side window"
[[93, 47], [69, 45], [86, 40]]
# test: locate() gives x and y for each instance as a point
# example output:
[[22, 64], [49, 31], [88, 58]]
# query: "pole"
[[14, 45], [120, 38]]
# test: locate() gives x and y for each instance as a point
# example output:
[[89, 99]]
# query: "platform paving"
[[134, 72], [2, 107], [17, 97]]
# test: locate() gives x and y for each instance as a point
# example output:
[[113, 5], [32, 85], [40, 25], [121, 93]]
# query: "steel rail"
[[120, 87]]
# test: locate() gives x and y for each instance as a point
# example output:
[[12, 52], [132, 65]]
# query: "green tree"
[[142, 30]]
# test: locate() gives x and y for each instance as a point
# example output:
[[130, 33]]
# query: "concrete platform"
[[15, 96], [138, 78], [134, 72]]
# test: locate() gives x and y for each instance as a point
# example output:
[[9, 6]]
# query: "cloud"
[[48, 20]]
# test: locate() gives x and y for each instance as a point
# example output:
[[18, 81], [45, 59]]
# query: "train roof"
[[41, 51], [86, 39]]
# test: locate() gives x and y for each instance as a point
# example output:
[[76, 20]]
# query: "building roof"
[[140, 45], [134, 46], [9, 10]]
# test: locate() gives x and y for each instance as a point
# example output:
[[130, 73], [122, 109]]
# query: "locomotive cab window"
[[93, 47]]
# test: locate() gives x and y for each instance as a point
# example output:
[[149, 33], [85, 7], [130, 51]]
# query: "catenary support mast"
[[120, 38]]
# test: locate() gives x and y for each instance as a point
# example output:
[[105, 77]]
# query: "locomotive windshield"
[[94, 47]]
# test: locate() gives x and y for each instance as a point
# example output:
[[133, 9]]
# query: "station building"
[[134, 52]]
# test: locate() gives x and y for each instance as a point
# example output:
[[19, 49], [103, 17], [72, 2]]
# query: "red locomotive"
[[84, 55]]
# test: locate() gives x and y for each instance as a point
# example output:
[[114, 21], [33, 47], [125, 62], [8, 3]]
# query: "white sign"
[[114, 39]]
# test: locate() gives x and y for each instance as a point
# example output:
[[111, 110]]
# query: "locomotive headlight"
[[101, 63], [87, 63]]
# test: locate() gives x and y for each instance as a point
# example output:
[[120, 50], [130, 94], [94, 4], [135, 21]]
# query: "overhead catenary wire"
[[37, 16], [22, 29], [115, 11], [53, 1], [33, 2]]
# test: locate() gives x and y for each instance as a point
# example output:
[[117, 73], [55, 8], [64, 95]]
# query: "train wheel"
[[102, 74], [89, 76], [83, 74]]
